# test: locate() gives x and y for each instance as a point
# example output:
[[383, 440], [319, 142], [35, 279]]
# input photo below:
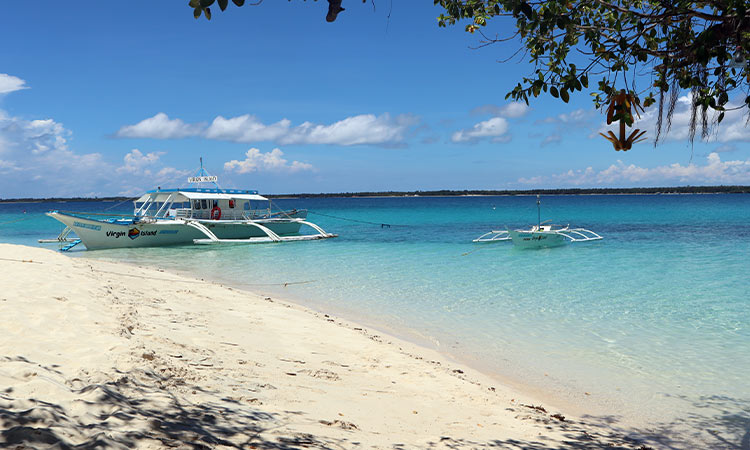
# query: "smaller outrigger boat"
[[541, 235]]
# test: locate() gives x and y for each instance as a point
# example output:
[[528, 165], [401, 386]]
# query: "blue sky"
[[116, 98]]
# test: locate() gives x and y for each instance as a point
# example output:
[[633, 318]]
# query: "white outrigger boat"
[[187, 216], [540, 235]]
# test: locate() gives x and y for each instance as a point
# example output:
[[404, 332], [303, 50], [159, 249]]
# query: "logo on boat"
[[131, 233], [135, 232]]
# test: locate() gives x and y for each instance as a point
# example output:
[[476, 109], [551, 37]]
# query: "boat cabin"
[[202, 203]]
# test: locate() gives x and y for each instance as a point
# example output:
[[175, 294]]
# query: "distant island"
[[451, 193]]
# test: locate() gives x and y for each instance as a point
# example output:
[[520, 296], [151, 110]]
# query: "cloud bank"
[[714, 171], [364, 129]]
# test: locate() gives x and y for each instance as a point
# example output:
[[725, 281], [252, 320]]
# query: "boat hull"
[[536, 239], [97, 234]]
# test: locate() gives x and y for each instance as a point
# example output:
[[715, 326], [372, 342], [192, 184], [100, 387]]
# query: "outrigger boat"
[[540, 235], [187, 216]]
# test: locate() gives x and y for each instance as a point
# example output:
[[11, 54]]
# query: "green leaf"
[[206, 3], [239, 2], [564, 95], [526, 9], [223, 4], [554, 92], [197, 12], [207, 12], [194, 3]]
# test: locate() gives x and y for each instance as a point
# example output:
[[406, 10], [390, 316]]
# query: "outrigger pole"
[[538, 211]]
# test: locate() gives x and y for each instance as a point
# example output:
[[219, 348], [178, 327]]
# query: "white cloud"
[[566, 123], [715, 171], [551, 139], [170, 174], [31, 136], [9, 83], [246, 128], [363, 129], [136, 162], [511, 110], [495, 128], [257, 161], [577, 117], [514, 110], [160, 127], [357, 130], [143, 172]]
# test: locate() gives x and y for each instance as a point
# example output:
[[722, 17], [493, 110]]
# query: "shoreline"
[[555, 397], [142, 318]]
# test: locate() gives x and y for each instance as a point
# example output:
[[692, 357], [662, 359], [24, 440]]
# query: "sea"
[[645, 333]]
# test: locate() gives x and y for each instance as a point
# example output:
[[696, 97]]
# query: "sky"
[[115, 98]]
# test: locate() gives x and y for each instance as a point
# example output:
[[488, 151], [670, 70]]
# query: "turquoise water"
[[650, 327]]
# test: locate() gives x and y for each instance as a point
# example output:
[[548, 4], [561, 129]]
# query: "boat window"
[[204, 204], [196, 204], [247, 206], [231, 203]]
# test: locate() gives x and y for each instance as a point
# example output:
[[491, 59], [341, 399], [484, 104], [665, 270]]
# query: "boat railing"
[[579, 234], [228, 214], [182, 213], [494, 236]]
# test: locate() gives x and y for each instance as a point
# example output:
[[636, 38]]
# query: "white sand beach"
[[111, 355]]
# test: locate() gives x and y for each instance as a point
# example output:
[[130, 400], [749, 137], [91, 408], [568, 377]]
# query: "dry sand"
[[98, 354]]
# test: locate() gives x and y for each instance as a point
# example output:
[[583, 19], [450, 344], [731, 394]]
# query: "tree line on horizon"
[[737, 189]]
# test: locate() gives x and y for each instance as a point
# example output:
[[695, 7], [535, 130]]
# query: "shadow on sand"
[[147, 409], [127, 413]]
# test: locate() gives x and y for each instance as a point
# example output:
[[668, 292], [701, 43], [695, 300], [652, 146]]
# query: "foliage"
[[204, 6], [649, 49]]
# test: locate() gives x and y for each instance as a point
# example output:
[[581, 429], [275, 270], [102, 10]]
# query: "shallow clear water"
[[651, 324]]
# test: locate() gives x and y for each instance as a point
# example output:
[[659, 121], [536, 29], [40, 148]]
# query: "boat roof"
[[182, 194]]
